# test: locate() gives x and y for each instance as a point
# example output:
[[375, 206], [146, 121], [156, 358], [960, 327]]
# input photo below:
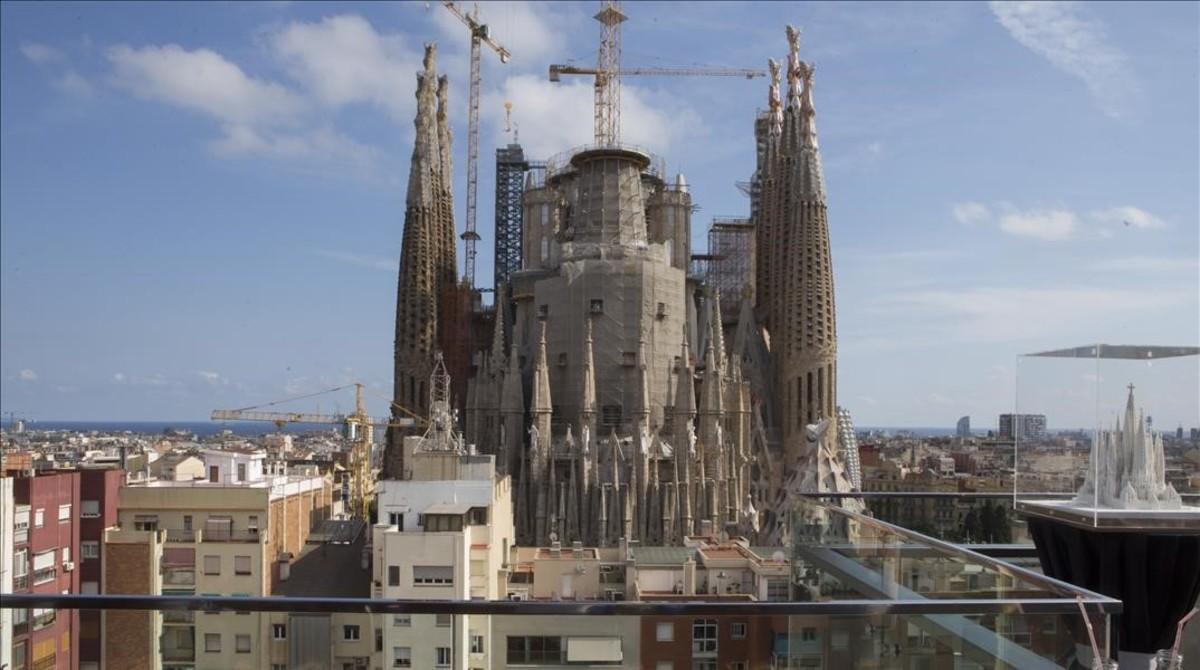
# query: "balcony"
[[185, 535], [250, 535]]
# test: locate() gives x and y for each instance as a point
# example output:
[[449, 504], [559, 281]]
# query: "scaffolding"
[[729, 266], [511, 168]]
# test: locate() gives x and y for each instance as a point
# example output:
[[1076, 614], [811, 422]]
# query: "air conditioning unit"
[[518, 595], [615, 595], [68, 566]]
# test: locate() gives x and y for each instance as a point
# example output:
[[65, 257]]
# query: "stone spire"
[[685, 392], [539, 399], [794, 274], [587, 398], [540, 409], [427, 261]]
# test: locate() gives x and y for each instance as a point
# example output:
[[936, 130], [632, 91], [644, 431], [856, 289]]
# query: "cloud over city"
[[1074, 41]]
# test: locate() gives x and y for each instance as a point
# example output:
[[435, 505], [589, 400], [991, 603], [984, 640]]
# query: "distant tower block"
[[963, 429], [511, 168]]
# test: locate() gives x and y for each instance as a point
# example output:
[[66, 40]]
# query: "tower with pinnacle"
[[794, 300], [427, 256]]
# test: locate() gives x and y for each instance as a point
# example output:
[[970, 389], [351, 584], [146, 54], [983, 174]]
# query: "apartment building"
[[333, 563], [445, 533], [234, 533], [8, 523], [45, 555], [704, 569], [98, 491]]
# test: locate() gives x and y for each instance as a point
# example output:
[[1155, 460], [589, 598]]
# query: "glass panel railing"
[[559, 635], [965, 518], [841, 590]]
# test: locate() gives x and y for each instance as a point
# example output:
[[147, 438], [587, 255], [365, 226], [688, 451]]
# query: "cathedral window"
[[597, 306], [611, 415]]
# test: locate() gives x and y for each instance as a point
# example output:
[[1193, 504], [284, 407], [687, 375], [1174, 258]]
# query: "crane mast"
[[608, 74], [479, 35]]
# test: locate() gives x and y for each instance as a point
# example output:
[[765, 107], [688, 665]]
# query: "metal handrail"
[[1097, 605]]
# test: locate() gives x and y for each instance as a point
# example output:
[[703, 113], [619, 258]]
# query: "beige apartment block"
[[445, 534], [210, 538]]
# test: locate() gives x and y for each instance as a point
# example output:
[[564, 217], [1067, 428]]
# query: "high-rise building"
[[98, 492], [1022, 426], [8, 526], [963, 428], [427, 296], [45, 555]]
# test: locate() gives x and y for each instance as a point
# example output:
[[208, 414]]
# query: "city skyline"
[[1079, 207]]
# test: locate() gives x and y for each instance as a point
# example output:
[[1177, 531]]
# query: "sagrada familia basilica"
[[613, 387]]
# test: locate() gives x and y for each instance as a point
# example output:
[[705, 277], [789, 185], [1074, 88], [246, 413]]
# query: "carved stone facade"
[[794, 282], [427, 258]]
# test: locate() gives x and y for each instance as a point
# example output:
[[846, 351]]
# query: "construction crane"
[[608, 73], [479, 35], [749, 73], [359, 428]]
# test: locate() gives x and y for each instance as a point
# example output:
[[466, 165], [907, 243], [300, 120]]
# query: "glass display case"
[[1107, 436]]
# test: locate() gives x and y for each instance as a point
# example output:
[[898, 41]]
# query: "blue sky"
[[202, 203]]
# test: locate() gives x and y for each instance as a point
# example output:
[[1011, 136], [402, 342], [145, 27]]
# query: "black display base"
[[1155, 574]]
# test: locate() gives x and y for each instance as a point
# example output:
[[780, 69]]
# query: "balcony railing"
[[44, 575], [223, 535], [181, 535]]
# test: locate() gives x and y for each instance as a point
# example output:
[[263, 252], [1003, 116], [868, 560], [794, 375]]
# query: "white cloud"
[[211, 378], [27, 375], [204, 81], [1128, 216], [119, 378], [361, 260], [257, 117], [342, 60], [1074, 42], [41, 53], [71, 82], [1045, 224], [561, 115], [1146, 264], [970, 213]]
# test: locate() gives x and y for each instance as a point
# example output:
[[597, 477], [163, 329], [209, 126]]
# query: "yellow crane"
[[608, 73], [480, 34], [359, 428]]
